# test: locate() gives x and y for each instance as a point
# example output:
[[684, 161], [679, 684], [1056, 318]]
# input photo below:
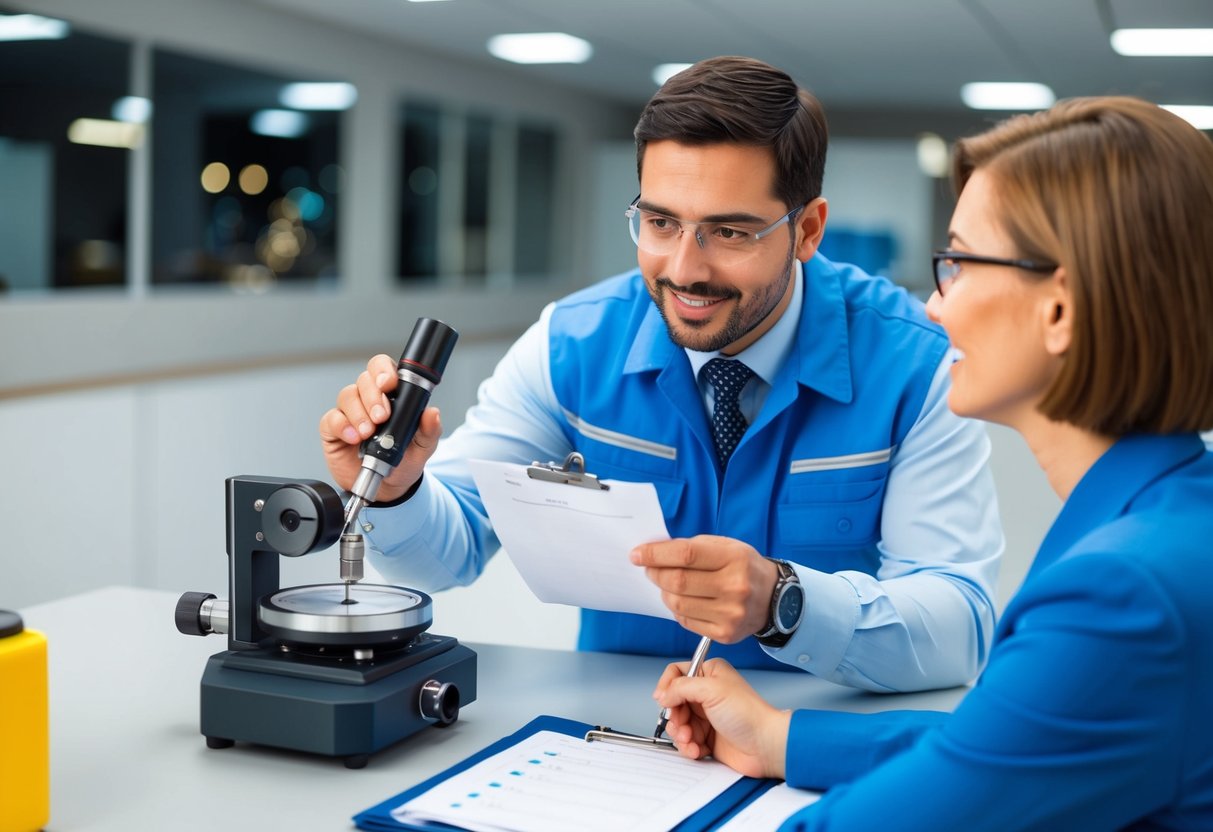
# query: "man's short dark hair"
[[735, 100]]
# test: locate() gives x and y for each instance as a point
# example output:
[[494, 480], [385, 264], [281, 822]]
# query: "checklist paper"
[[770, 809], [551, 782], [570, 543]]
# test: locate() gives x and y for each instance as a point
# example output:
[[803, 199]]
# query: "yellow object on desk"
[[24, 739]]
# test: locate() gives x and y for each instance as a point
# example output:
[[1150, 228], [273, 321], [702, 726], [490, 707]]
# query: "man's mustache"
[[699, 290]]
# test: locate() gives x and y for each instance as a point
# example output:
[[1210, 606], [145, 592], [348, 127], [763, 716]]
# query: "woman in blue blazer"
[[1077, 290]]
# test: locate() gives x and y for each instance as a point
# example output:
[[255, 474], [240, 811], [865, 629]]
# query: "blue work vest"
[[806, 482]]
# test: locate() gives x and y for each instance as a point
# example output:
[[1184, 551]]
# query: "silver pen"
[[701, 653]]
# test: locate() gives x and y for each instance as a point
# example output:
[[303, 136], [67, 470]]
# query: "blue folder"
[[379, 818]]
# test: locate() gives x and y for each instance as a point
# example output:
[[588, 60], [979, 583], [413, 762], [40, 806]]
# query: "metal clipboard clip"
[[635, 740], [572, 472]]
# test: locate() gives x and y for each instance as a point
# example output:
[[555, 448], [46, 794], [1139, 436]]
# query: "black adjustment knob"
[[439, 702], [188, 615]]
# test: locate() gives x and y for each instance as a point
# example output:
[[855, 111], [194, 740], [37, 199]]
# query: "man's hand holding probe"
[[360, 408]]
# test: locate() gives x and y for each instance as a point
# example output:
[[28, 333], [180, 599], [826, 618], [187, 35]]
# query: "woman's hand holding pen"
[[717, 713]]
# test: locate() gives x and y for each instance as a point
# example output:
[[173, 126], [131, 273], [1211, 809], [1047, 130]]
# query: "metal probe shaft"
[[365, 487], [352, 508]]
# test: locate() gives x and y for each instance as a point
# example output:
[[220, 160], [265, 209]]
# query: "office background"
[[182, 305]]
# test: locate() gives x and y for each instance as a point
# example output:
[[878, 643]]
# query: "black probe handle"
[[425, 355]]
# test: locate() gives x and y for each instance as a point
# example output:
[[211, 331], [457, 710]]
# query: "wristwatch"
[[787, 607]]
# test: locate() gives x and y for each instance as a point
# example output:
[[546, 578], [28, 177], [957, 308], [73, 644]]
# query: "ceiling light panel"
[[31, 27], [663, 72], [1163, 42], [1199, 116], [540, 48], [318, 96], [1001, 95]]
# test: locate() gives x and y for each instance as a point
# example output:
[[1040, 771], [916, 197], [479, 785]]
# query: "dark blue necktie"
[[727, 377]]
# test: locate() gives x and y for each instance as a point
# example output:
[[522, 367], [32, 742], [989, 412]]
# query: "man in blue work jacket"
[[828, 512]]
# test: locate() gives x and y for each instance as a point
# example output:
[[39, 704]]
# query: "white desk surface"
[[126, 753]]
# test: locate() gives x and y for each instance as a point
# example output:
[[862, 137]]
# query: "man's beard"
[[742, 320]]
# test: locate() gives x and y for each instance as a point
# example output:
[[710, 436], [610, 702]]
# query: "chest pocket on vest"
[[828, 515]]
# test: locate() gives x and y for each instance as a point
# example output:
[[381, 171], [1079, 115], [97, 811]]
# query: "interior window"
[[245, 181], [63, 160], [477, 195]]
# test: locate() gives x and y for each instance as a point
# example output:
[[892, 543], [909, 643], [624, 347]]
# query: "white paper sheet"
[[571, 543], [552, 782], [772, 808]]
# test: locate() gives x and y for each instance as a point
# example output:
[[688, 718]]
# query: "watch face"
[[791, 605]]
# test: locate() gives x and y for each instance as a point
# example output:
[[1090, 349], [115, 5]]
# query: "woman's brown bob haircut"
[[1120, 193], [743, 101]]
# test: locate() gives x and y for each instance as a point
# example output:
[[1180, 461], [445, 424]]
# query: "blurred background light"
[[932, 153], [215, 177], [540, 48], [663, 72], [1006, 95], [32, 27], [309, 203], [281, 124], [101, 132], [253, 179], [335, 95], [1199, 116], [132, 108], [1163, 42]]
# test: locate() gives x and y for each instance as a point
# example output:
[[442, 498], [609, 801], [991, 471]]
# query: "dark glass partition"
[[477, 195], [245, 190], [63, 162]]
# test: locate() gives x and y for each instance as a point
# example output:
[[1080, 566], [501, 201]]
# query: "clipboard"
[[379, 818], [572, 472], [544, 512]]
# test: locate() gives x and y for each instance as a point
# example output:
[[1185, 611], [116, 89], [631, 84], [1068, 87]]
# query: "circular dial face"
[[791, 604], [365, 599], [320, 614]]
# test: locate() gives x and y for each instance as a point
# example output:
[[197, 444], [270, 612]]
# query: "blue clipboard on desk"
[[386, 817]]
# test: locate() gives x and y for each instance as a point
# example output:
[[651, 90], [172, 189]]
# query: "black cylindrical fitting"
[[428, 349], [424, 357]]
